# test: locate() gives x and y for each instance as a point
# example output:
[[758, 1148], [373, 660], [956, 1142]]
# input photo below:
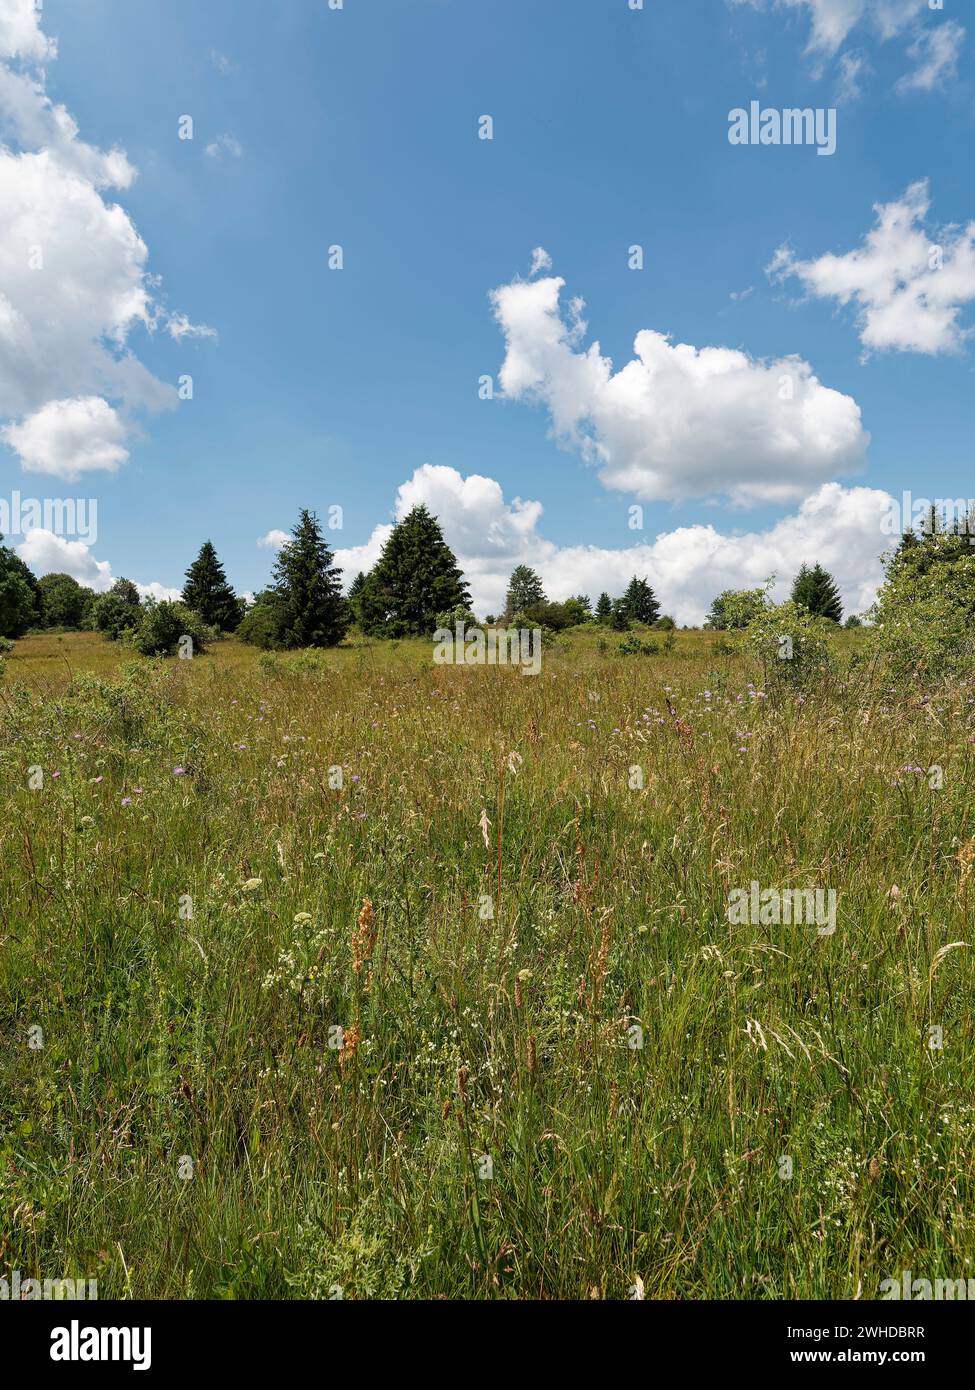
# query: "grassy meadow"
[[264, 1036]]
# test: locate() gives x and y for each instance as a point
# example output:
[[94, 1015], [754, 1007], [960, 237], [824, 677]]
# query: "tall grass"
[[383, 1040]]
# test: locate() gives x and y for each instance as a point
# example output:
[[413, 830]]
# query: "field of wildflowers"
[[348, 975]]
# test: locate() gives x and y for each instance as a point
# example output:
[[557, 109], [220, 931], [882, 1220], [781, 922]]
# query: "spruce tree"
[[355, 590], [604, 608], [208, 593], [524, 590], [415, 578], [815, 590], [641, 602], [307, 590]]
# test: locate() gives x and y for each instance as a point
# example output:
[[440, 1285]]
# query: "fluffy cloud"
[[20, 34], [68, 438], [840, 527], [676, 421], [46, 553], [935, 53], [908, 287], [73, 277], [274, 540]]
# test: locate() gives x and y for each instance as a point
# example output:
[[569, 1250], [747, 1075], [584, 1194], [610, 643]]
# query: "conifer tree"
[[815, 590], [524, 590], [415, 578], [640, 602], [208, 593], [604, 608], [355, 591], [307, 590]]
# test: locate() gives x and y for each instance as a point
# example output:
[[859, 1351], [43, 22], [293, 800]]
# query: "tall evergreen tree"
[[640, 602], [308, 594], [524, 589], [208, 593], [355, 591], [415, 578], [815, 590], [604, 608]]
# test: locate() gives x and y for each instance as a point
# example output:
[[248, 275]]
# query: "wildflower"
[[179, 771], [252, 885], [126, 801], [364, 936], [351, 1039]]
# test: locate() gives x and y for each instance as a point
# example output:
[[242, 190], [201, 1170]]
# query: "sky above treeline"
[[567, 272]]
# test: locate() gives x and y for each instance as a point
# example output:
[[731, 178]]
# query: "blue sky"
[[318, 387]]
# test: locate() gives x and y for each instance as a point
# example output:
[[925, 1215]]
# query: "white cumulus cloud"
[[47, 553], [68, 438], [908, 286], [274, 540], [676, 421], [74, 284]]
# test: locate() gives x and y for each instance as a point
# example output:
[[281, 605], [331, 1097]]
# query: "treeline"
[[415, 586]]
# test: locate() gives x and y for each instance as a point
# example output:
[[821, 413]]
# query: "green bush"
[[925, 612], [113, 615], [263, 625], [163, 627], [791, 644], [632, 645]]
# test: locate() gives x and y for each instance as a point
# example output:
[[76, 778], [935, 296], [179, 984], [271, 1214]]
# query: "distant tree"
[[604, 608], [854, 620], [640, 602], [415, 578], [665, 623], [114, 615], [815, 590], [555, 616], [619, 615], [19, 595], [164, 625], [355, 591], [577, 610], [263, 623], [208, 593], [312, 611], [126, 591], [735, 608], [524, 589], [63, 601]]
